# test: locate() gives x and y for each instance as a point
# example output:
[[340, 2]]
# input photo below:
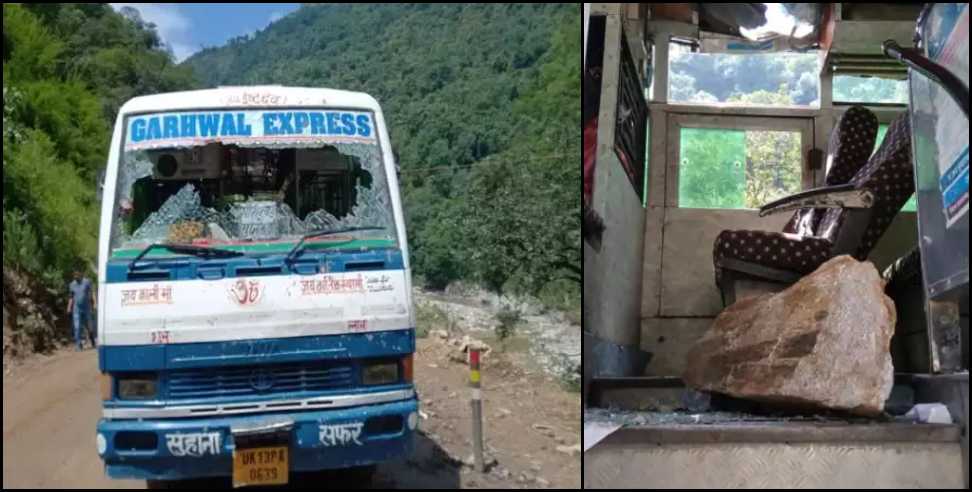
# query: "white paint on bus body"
[[340, 434], [194, 445], [190, 311]]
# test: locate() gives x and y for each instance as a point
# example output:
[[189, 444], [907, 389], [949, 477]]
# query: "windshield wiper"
[[185, 249], [325, 232]]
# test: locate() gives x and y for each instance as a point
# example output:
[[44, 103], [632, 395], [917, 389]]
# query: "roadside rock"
[[571, 450], [464, 345], [467, 343], [441, 334], [554, 341], [822, 343], [544, 429]]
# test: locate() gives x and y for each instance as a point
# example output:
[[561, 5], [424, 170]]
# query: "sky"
[[778, 20], [189, 27]]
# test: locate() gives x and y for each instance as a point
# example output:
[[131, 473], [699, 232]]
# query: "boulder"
[[466, 344], [823, 343]]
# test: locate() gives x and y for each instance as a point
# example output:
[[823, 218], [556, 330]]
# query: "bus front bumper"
[[174, 449]]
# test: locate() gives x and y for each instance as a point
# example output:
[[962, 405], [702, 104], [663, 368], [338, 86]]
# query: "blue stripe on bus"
[[190, 268], [115, 358], [307, 451]]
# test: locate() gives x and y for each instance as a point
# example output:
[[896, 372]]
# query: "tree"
[[700, 77], [482, 102], [67, 68], [736, 168], [773, 159], [712, 168]]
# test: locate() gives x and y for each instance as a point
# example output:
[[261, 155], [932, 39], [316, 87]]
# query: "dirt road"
[[50, 407]]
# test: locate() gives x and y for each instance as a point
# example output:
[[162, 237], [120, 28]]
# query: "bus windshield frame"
[[335, 157]]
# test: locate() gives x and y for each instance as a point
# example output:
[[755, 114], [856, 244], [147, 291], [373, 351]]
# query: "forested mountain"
[[483, 104], [67, 68], [482, 100], [720, 77]]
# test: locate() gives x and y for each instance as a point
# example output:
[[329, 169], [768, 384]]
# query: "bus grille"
[[259, 380]]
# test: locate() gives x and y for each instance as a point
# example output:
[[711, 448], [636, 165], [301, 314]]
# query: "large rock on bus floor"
[[823, 343]]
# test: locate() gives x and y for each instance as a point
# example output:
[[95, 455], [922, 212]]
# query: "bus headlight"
[[137, 387], [102, 444], [385, 372]]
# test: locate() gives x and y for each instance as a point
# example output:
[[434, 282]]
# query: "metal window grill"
[[632, 118]]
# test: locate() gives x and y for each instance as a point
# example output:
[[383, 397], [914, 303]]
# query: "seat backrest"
[[889, 175], [851, 142]]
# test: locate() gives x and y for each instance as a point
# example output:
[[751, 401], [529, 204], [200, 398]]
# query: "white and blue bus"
[[255, 314]]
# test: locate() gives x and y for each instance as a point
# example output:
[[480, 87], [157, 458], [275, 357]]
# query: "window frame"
[[871, 105], [676, 121]]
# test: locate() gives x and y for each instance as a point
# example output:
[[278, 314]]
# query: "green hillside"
[[483, 103], [482, 100], [67, 68]]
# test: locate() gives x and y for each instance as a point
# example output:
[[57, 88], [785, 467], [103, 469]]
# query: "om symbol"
[[245, 292]]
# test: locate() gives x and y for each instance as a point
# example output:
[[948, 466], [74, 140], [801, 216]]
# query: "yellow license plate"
[[260, 466]]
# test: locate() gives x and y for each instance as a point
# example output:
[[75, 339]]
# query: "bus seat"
[[857, 215], [851, 142]]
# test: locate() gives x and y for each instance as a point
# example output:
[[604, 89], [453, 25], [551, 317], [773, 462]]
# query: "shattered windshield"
[[251, 181]]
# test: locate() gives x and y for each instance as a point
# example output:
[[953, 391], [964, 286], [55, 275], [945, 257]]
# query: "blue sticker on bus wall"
[[955, 188]]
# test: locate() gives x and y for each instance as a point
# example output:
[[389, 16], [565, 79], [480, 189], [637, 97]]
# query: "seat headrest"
[[851, 143]]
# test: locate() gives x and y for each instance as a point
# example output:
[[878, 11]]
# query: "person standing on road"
[[81, 301]]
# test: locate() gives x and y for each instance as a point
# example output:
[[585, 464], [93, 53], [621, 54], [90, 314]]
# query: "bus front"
[[255, 312]]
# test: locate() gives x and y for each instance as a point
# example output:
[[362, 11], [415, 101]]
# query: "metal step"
[[726, 450], [691, 458]]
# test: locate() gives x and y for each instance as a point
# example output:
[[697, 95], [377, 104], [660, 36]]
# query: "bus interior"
[[754, 173]]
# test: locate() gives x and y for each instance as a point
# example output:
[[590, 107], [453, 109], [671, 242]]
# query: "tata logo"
[[261, 380]]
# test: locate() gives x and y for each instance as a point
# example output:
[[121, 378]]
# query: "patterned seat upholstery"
[[850, 145], [780, 250], [889, 176]]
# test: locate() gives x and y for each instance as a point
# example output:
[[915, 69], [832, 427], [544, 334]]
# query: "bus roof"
[[257, 96]]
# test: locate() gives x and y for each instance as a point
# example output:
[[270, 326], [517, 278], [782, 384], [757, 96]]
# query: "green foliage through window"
[[859, 89], [728, 78], [737, 168]]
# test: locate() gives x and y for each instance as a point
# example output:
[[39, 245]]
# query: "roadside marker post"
[[477, 409]]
